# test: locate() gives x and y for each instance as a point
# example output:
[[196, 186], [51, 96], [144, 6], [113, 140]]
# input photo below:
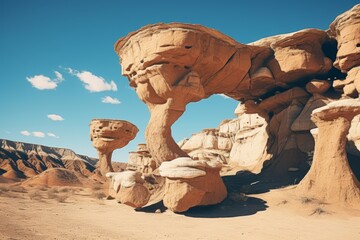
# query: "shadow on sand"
[[228, 209]]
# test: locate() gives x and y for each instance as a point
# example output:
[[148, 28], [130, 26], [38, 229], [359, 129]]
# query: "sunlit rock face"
[[330, 158], [279, 81], [346, 29], [128, 188], [107, 135], [192, 183], [171, 65]]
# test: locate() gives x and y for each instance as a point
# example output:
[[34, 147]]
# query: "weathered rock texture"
[[330, 165], [279, 80], [24, 160], [127, 187], [192, 183], [346, 29], [141, 160], [191, 62], [107, 135]]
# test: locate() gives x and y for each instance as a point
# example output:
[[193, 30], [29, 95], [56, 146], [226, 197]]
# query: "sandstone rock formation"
[[346, 29], [330, 165], [127, 187], [24, 160], [280, 81], [192, 183], [191, 62], [141, 160], [107, 135]]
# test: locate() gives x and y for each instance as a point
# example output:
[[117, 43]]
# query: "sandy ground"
[[70, 213]]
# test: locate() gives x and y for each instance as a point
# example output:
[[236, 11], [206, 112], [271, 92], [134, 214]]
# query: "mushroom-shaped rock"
[[330, 177], [192, 183], [107, 135], [346, 29], [127, 187], [171, 65]]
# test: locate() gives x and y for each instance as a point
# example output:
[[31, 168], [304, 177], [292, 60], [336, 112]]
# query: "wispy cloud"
[[92, 82], [55, 117], [42, 82], [52, 135], [25, 133], [59, 76], [38, 134], [110, 100]]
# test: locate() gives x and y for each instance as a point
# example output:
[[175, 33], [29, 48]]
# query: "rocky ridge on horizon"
[[26, 160]]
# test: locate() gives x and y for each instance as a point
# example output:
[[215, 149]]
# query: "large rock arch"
[[170, 65]]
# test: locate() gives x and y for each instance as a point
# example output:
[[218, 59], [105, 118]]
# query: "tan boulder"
[[330, 178], [346, 29], [296, 55], [192, 183], [206, 139], [281, 101], [106, 136], [127, 187], [318, 86], [136, 196]]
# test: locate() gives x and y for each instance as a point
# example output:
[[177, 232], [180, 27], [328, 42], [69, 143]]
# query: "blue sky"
[[65, 48]]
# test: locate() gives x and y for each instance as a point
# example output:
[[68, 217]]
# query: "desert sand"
[[42, 213]]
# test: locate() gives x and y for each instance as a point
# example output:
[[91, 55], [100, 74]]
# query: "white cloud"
[[111, 100], [52, 135], [25, 133], [42, 82], [59, 76], [55, 117], [38, 134], [92, 82], [224, 96]]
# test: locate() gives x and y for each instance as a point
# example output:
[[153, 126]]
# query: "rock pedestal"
[[192, 183], [106, 136], [330, 177], [127, 187]]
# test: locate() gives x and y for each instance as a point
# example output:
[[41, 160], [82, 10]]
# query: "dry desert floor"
[[77, 213]]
